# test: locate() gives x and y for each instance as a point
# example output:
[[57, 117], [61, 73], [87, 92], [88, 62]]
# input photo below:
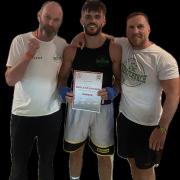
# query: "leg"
[[49, 127], [21, 145], [105, 167], [75, 134], [133, 144], [102, 141], [75, 162], [141, 174]]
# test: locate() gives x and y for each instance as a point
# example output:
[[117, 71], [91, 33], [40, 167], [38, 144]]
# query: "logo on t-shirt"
[[133, 73], [102, 61]]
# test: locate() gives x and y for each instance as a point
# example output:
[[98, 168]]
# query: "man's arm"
[[171, 89], [109, 93], [116, 53], [16, 73], [64, 73], [172, 94], [65, 70]]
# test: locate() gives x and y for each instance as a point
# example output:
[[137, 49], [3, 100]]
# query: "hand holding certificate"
[[85, 88]]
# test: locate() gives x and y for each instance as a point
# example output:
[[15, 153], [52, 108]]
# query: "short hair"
[[137, 14], [94, 5]]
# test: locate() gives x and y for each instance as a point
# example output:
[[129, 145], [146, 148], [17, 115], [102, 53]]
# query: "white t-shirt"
[[36, 93], [142, 71]]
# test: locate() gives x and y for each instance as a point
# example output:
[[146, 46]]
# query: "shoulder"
[[70, 48], [163, 55], [21, 37], [167, 66], [108, 36], [115, 49], [121, 41], [70, 51], [60, 40]]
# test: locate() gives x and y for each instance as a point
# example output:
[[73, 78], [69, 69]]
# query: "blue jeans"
[[24, 130]]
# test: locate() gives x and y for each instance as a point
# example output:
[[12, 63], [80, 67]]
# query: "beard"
[[92, 33], [137, 41], [49, 30]]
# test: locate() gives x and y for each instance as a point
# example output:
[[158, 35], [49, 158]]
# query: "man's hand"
[[79, 40], [108, 93], [32, 47]]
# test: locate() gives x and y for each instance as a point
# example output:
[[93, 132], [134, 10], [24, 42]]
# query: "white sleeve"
[[167, 67], [16, 50]]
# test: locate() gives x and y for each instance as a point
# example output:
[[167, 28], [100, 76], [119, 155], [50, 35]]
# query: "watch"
[[162, 129]]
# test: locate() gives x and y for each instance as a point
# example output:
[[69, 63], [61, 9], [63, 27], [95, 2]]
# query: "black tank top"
[[96, 60]]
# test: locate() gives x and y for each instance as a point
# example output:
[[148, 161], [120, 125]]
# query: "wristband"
[[62, 93], [112, 93]]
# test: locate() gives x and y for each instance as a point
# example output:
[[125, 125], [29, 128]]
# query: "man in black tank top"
[[99, 55]]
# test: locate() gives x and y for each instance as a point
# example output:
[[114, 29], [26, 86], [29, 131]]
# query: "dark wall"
[[20, 17]]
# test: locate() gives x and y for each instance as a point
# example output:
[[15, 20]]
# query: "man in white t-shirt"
[[32, 67], [146, 71]]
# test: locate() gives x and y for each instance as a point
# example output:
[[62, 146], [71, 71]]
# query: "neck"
[[95, 41], [144, 45], [147, 44]]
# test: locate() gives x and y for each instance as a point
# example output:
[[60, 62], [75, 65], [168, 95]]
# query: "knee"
[[141, 174]]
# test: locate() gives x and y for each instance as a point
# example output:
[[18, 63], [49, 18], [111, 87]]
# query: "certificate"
[[85, 87]]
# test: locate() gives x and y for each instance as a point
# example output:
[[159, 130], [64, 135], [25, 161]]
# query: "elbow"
[[179, 97], [178, 93], [9, 80]]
